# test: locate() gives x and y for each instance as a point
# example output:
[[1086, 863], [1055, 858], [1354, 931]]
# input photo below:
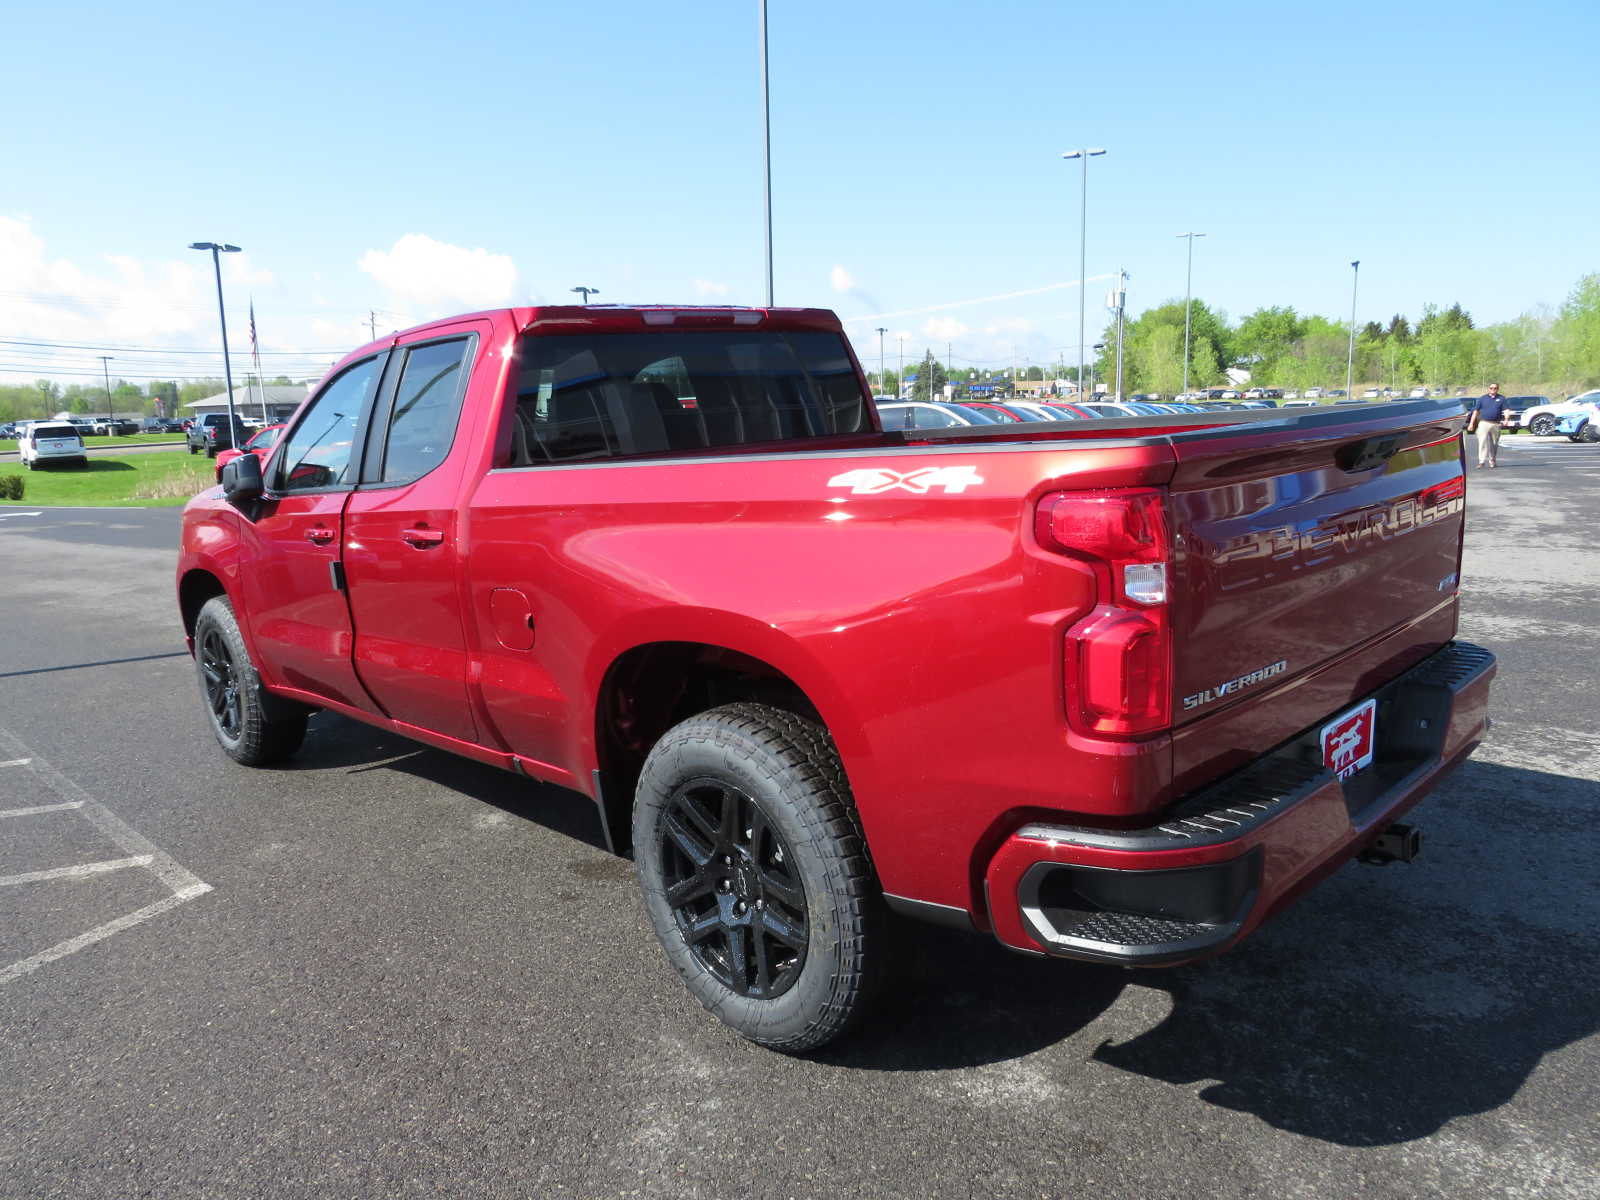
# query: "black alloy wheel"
[[253, 727], [756, 877], [220, 681], [732, 888]]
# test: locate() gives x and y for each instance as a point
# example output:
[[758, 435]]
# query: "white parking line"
[[40, 808], [16, 762], [76, 872], [141, 854], [99, 933]]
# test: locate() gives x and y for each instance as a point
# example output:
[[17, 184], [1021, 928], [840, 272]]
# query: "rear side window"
[[609, 395], [53, 431], [427, 407]]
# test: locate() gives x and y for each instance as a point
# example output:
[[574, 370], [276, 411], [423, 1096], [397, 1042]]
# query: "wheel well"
[[651, 688], [194, 590]]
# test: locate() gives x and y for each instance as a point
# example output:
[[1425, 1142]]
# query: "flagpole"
[[255, 353]]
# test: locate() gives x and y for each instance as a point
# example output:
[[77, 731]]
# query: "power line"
[[158, 349]]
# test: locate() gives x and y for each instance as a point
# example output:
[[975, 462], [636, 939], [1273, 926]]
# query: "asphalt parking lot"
[[382, 971]]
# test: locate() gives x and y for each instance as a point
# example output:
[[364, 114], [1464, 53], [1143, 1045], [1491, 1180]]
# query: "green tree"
[[1575, 336], [930, 378], [1263, 339]]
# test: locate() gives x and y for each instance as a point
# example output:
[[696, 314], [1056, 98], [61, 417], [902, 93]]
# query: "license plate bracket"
[[1350, 740]]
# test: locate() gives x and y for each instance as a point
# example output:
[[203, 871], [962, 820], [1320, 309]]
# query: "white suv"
[[46, 442], [1541, 420]]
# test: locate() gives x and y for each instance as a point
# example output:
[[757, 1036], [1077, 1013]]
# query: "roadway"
[[381, 971]]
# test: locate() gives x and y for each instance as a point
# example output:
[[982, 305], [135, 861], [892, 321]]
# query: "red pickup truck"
[[1113, 690]]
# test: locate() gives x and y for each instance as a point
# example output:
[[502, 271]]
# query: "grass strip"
[[157, 480]]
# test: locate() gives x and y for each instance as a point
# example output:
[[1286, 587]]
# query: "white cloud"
[[125, 299], [438, 278], [944, 327], [705, 287], [1009, 325], [842, 280]]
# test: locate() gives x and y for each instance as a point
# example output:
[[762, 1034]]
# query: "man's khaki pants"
[[1488, 442]]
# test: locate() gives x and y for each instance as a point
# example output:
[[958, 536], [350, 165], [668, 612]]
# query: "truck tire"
[[756, 876], [253, 728], [192, 448]]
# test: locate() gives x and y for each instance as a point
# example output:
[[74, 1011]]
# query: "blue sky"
[[427, 159]]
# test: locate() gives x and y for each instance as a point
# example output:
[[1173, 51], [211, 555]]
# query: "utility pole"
[[587, 292], [1350, 360], [949, 362], [111, 412], [1188, 304], [900, 380], [883, 380], [372, 325]]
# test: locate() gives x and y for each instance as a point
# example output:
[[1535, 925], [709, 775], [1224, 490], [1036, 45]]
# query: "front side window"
[[606, 395], [427, 406], [318, 451]]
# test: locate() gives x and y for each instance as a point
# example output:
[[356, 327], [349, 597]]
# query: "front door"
[[293, 584]]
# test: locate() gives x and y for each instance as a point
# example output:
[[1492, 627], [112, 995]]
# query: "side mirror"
[[241, 479]]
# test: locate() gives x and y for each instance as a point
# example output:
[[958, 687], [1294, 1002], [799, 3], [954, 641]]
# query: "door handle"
[[423, 539], [319, 535]]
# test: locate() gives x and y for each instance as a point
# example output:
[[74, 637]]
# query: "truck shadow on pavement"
[[1386, 1003], [1395, 999]]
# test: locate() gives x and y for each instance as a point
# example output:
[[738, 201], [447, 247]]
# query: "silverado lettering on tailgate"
[[1345, 532]]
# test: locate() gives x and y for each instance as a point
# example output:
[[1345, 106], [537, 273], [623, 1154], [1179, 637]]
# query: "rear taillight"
[[1118, 658]]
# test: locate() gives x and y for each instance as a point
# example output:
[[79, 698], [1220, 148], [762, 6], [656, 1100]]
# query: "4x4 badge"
[[868, 481]]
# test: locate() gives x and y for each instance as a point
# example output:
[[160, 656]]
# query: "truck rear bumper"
[[1226, 858]]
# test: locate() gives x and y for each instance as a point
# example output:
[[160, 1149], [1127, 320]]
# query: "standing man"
[[1485, 421]]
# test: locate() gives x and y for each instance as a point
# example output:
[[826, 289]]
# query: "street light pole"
[[1188, 304], [1122, 304], [1350, 359], [900, 380], [1083, 248], [883, 381], [217, 249], [766, 149], [111, 412], [587, 292]]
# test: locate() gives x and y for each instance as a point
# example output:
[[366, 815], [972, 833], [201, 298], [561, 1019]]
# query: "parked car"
[[1581, 424], [9, 430], [1371, 394], [260, 445], [1541, 419], [212, 433], [1313, 393], [1516, 406], [1418, 393], [1100, 702], [50, 444], [920, 414]]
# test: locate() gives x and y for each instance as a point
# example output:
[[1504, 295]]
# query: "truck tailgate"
[[1313, 560]]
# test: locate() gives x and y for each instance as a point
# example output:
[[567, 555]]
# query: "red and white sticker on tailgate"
[[1348, 741]]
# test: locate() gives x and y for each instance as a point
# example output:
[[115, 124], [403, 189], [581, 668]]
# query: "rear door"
[[401, 531], [294, 586]]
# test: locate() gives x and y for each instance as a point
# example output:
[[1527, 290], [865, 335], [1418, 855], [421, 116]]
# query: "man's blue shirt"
[[1491, 407]]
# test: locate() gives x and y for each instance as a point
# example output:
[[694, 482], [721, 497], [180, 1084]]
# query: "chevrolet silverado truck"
[[1115, 690]]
